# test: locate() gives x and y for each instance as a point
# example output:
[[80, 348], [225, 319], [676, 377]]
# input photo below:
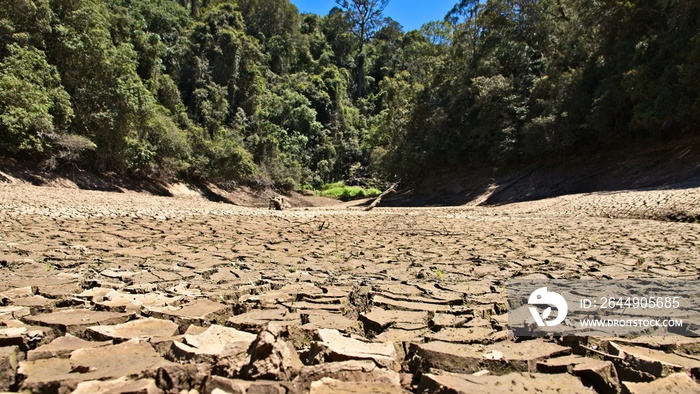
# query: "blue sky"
[[411, 14]]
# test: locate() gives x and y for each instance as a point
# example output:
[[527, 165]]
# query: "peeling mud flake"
[[256, 320], [202, 312], [14, 312], [515, 383], [13, 336], [463, 335], [333, 346], [497, 358], [446, 320], [601, 374], [62, 347], [655, 362], [668, 343], [678, 383], [214, 342], [122, 385], [314, 320], [142, 328], [356, 371], [117, 301], [75, 321], [378, 320], [333, 386], [400, 305], [108, 362], [222, 385], [9, 358]]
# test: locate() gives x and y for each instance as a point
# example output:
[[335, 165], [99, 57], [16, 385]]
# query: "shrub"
[[67, 148]]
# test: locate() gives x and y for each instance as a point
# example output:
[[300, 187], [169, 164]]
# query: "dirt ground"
[[392, 300]]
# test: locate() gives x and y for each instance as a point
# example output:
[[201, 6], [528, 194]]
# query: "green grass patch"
[[335, 185], [346, 193]]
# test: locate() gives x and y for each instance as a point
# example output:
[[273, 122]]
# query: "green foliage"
[[346, 193], [251, 90], [513, 81], [334, 185], [33, 104], [23, 22]]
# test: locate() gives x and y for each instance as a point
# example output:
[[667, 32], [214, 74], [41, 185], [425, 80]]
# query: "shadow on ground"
[[647, 169]]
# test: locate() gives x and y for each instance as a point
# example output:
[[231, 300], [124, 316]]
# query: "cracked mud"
[[126, 292]]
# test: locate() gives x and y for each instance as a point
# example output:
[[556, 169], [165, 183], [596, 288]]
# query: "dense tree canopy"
[[252, 90]]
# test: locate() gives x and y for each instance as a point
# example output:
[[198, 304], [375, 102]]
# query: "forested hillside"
[[252, 90]]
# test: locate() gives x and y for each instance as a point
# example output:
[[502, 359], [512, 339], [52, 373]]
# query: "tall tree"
[[366, 18]]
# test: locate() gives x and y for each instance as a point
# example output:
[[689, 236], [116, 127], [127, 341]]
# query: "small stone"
[[95, 294], [57, 289], [493, 355], [20, 292], [116, 274], [303, 290], [266, 299]]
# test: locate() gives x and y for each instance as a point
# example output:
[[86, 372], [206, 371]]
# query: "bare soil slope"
[[665, 167]]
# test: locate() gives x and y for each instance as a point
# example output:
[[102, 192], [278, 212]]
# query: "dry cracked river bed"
[[131, 293]]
